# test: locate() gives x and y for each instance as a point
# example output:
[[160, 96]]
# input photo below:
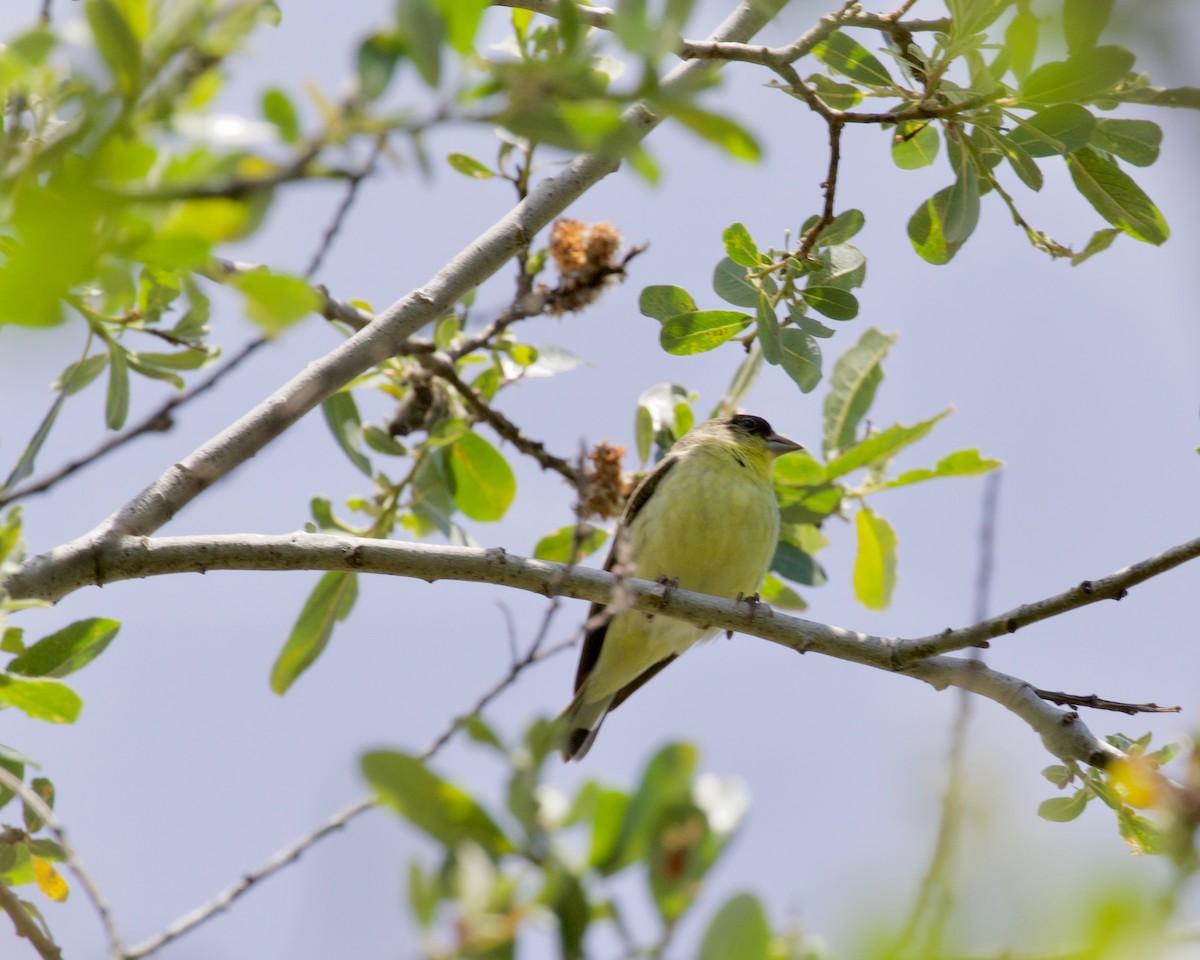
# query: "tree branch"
[[39, 806], [294, 850], [440, 366], [1096, 703], [382, 338], [25, 926], [84, 562], [1113, 587], [157, 422]]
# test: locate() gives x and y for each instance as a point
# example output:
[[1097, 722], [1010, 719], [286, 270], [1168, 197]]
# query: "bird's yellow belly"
[[713, 536]]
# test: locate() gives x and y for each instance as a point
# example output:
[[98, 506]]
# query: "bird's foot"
[[753, 600], [669, 584]]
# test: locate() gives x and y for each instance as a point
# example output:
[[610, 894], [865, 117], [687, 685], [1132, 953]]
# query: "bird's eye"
[[756, 426]]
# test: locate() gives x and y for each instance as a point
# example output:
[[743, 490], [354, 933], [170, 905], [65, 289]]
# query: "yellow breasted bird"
[[707, 518]]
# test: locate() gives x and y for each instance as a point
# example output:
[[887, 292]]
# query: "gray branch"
[[83, 563], [386, 335]]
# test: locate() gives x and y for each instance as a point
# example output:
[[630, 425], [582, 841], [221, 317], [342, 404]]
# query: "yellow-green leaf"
[[875, 562], [484, 484]]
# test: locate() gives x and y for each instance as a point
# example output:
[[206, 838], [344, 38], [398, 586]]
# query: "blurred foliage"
[[121, 185], [570, 862], [581, 865]]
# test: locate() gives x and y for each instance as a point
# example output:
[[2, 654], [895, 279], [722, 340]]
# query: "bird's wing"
[[593, 639], [626, 691]]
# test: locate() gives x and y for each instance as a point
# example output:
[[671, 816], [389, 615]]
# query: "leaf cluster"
[[559, 860]]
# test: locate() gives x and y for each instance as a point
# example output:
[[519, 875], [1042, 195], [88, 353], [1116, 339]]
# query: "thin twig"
[[157, 422], [293, 851], [933, 898], [25, 925], [593, 16], [1096, 703], [813, 233], [41, 808], [339, 216], [44, 13], [1113, 587], [441, 367]]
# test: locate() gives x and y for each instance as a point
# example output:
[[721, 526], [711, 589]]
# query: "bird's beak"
[[778, 445]]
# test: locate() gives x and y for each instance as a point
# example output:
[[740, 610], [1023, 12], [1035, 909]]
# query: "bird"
[[705, 519]]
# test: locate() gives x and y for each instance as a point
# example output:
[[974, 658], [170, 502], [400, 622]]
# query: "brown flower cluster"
[[586, 256], [605, 487]]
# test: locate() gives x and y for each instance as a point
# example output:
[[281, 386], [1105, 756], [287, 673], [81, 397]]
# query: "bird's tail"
[[580, 723]]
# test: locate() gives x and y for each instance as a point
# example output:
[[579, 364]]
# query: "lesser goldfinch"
[[706, 519]]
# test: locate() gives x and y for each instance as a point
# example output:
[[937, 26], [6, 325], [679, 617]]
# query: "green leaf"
[[915, 144], [341, 414], [1100, 241], [665, 781], [926, 229], [376, 62], [1084, 21], [28, 459], [40, 699], [768, 331], [1058, 775], [843, 266], [469, 167], [847, 56], [796, 565], [664, 302], [1187, 98], [608, 817], [801, 357], [731, 285], [973, 16], [839, 96], [682, 848], [738, 142], [116, 42], [1021, 41], [1116, 197], [700, 331], [844, 226], [191, 359], [484, 484], [875, 562], [566, 545], [383, 442], [962, 204], [739, 930], [16, 766], [1021, 162], [116, 407], [1082, 76], [330, 601], [67, 650], [739, 246], [1056, 130], [831, 302], [275, 301], [462, 22], [1063, 809], [1134, 141], [424, 32], [778, 594], [880, 447], [445, 812], [856, 376], [80, 373], [962, 463], [280, 112]]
